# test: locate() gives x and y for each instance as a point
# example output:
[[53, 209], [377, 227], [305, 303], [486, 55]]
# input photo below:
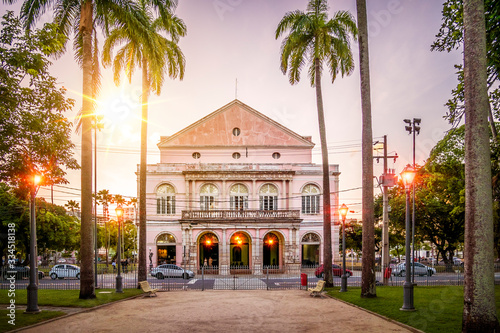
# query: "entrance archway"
[[166, 249], [310, 250], [208, 251], [239, 250], [271, 251]]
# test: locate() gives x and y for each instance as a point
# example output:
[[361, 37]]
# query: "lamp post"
[[413, 127], [343, 282], [119, 215], [32, 290], [408, 174]]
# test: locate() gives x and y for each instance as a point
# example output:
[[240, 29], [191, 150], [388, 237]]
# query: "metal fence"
[[218, 278]]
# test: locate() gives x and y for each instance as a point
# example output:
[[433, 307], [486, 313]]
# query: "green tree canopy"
[[35, 134], [450, 37]]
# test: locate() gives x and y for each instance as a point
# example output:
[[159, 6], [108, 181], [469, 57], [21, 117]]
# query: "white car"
[[170, 270], [62, 271], [420, 269]]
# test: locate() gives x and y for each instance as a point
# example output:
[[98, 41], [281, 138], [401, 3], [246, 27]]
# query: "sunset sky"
[[234, 39]]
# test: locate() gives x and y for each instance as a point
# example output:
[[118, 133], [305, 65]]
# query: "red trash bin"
[[388, 272], [303, 279]]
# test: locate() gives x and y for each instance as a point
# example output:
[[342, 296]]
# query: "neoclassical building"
[[237, 189]]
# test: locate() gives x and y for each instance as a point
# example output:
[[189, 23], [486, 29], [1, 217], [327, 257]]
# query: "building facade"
[[237, 189]]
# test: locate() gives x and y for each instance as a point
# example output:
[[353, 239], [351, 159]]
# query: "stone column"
[[255, 198], [224, 203], [188, 202], [257, 261], [224, 260]]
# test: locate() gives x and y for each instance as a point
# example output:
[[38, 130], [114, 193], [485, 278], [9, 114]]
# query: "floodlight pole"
[[32, 290]]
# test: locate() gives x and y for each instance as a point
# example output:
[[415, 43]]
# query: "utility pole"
[[388, 179]]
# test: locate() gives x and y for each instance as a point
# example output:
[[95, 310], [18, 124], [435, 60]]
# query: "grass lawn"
[[438, 309], [64, 298]]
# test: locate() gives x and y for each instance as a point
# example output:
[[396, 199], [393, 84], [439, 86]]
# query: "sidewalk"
[[224, 311]]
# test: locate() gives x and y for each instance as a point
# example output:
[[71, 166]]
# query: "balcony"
[[235, 216]]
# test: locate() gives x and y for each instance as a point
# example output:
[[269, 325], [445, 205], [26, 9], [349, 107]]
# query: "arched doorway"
[[166, 249], [310, 250], [208, 251], [239, 250], [271, 251]]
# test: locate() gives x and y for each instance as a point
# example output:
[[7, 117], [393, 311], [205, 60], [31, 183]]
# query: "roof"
[[255, 130]]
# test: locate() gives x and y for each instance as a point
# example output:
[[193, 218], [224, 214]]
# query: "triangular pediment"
[[255, 130]]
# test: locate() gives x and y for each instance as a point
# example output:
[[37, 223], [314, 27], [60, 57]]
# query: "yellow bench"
[[147, 289], [318, 290]]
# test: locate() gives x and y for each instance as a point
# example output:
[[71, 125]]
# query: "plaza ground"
[[224, 311]]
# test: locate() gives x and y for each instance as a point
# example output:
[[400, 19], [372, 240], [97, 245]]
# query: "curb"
[[73, 314], [410, 328]]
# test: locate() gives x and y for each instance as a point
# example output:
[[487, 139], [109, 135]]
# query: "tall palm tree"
[[315, 39], [368, 261], [156, 55], [82, 17], [479, 314], [72, 205], [105, 199]]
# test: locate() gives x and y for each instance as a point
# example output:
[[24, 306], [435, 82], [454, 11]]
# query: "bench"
[[147, 289], [318, 290]]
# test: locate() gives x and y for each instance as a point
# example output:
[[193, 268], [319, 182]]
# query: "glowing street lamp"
[[408, 175], [119, 215], [343, 282], [32, 293]]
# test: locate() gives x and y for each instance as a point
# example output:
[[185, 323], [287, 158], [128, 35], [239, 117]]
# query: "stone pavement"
[[224, 311]]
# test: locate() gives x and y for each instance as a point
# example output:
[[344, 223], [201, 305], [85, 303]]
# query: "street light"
[[343, 282], [408, 174], [413, 127], [119, 215], [32, 292]]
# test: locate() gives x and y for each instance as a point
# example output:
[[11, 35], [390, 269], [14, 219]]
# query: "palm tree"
[[82, 17], [72, 205], [479, 314], [315, 39], [156, 55], [104, 199], [368, 261]]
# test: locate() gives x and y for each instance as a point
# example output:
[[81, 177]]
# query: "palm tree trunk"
[[368, 259], [327, 215], [143, 271], [87, 240], [479, 314]]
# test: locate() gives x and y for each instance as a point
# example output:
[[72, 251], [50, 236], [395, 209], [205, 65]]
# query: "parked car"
[[170, 270], [62, 271], [20, 272], [337, 271], [420, 269]]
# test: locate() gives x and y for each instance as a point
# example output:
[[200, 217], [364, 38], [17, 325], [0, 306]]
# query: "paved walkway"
[[224, 311]]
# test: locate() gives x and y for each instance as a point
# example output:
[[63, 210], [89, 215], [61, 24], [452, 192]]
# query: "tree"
[[479, 314], [104, 198], [56, 230], [315, 39], [451, 37], [35, 134], [83, 17], [72, 205], [368, 261], [156, 55]]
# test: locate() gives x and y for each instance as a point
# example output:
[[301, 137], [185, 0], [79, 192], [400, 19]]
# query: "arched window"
[[238, 195], [268, 197], [310, 199], [165, 199], [208, 196]]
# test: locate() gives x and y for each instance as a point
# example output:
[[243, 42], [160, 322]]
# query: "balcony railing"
[[240, 215]]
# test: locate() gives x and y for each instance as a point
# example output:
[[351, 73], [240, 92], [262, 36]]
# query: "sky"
[[231, 52]]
